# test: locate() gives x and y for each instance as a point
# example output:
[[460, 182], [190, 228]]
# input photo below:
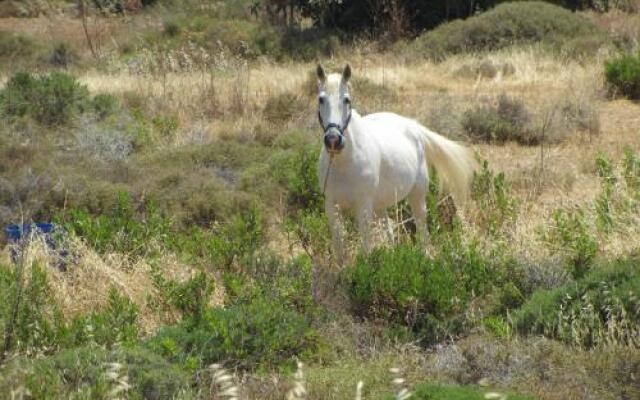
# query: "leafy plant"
[[30, 322], [507, 119], [88, 372], [263, 333], [601, 308], [570, 235], [239, 239], [104, 105], [190, 297], [623, 75], [603, 204], [497, 207], [51, 100], [428, 391], [429, 296], [505, 25], [117, 323], [120, 228]]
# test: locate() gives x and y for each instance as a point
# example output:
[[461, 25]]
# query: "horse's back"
[[400, 143]]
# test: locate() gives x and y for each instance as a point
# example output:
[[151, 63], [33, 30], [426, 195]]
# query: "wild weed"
[[497, 208], [570, 235]]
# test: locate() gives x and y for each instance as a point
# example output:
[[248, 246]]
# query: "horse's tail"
[[454, 163]]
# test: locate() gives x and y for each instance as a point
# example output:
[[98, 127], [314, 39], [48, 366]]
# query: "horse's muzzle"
[[334, 142]]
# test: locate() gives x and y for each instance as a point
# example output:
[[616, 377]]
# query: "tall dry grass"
[[83, 285]]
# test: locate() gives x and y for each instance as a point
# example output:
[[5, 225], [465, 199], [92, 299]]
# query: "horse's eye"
[[347, 101], [321, 100]]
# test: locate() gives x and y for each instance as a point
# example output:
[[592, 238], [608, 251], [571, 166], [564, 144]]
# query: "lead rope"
[[326, 175]]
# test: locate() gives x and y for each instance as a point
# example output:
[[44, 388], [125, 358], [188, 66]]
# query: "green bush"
[[51, 100], [430, 296], [505, 120], [601, 308], [121, 228], [270, 277], [604, 201], [497, 207], [32, 322], [243, 37], [623, 76], [104, 105], [262, 333], [84, 372], [14, 47], [631, 171], [239, 239], [117, 323], [29, 320], [190, 297], [308, 44], [431, 391], [166, 126], [505, 25], [297, 172], [570, 235], [63, 55]]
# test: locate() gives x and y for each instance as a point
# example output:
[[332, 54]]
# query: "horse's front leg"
[[365, 216]]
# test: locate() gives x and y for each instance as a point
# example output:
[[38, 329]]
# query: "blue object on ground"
[[16, 232], [19, 233]]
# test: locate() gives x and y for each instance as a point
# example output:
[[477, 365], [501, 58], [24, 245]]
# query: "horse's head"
[[334, 107]]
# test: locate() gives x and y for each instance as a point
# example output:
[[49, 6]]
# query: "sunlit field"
[[175, 147]]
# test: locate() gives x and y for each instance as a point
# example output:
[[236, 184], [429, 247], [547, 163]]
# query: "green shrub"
[[262, 333], [297, 172], [601, 308], [243, 37], [29, 320], [505, 25], [270, 277], [631, 171], [104, 105], [431, 391], [190, 297], [52, 99], [120, 228], [32, 322], [570, 235], [171, 28], [430, 296], [623, 76], [239, 239], [14, 46], [85, 373], [117, 323], [604, 201], [506, 119], [63, 55], [309, 44], [166, 126], [497, 207]]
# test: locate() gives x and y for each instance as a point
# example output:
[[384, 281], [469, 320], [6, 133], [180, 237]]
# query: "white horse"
[[371, 162]]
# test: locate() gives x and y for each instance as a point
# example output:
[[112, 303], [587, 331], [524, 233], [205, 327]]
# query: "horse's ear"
[[321, 76], [346, 74]]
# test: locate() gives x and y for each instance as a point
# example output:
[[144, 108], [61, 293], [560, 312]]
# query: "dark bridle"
[[340, 129]]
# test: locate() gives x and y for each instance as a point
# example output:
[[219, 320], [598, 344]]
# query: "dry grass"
[[230, 100], [84, 286]]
